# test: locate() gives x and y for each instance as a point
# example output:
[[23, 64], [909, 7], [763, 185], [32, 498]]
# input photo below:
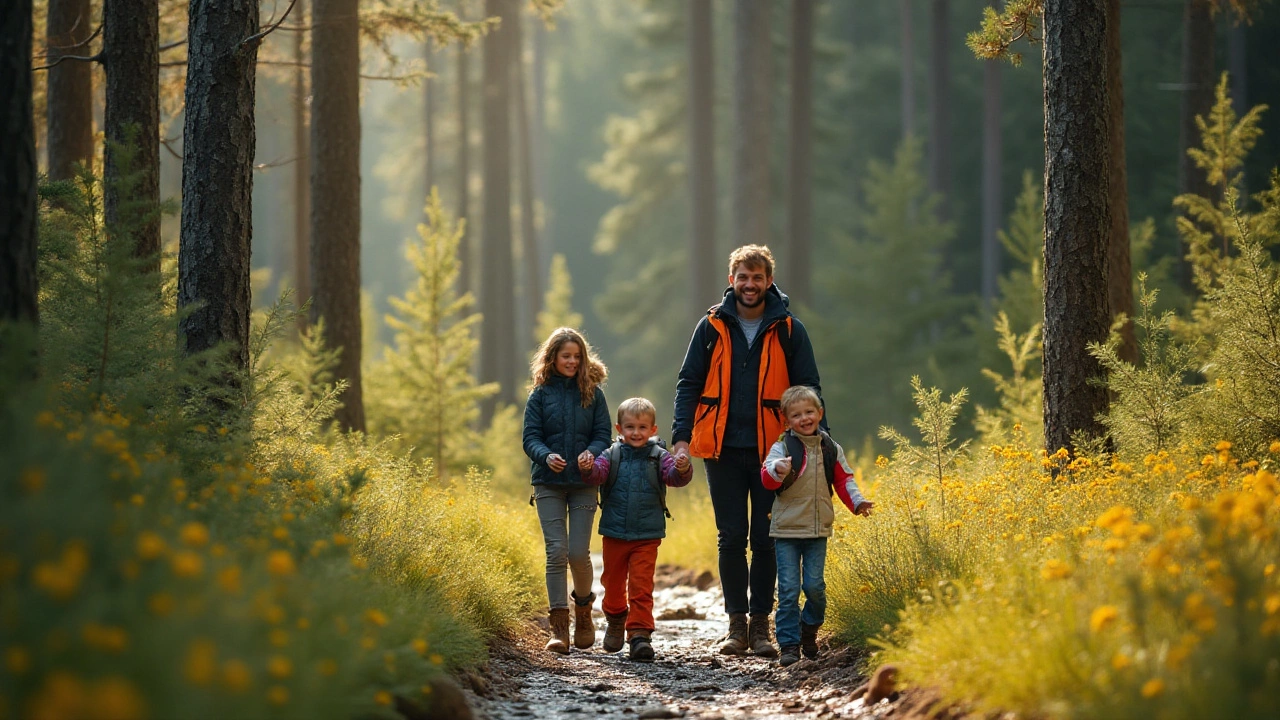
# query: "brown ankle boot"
[[615, 634], [736, 642], [809, 640], [559, 642], [758, 634], [584, 630]]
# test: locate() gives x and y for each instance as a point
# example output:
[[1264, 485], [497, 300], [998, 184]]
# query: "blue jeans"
[[800, 565], [566, 515]]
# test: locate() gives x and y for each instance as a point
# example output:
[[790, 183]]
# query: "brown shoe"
[[584, 630], [559, 642], [615, 633], [809, 640], [758, 632], [736, 642]]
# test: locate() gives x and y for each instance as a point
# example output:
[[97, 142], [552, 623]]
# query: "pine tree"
[[557, 309], [424, 389]]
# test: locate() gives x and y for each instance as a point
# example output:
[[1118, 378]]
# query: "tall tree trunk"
[[429, 118], [1197, 99], [753, 89], [530, 250], [702, 165], [992, 164], [335, 191], [1119, 268], [908, 70], [464, 169], [539, 128], [801, 156], [301, 171], [18, 206], [219, 140], [497, 298], [131, 58], [1077, 217], [69, 97], [940, 106]]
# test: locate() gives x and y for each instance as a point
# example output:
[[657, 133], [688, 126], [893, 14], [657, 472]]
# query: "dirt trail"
[[688, 678]]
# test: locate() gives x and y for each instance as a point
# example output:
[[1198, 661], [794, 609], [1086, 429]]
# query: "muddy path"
[[688, 677]]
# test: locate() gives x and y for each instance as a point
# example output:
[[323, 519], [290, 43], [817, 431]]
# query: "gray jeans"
[[567, 516]]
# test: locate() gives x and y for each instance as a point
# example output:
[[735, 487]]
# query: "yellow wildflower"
[[229, 579], [201, 663], [236, 676], [1054, 569], [1120, 661], [279, 666], [280, 563], [160, 604], [420, 645], [195, 534], [278, 695], [1275, 446], [1198, 611], [375, 616], [105, 638], [1103, 617], [1152, 688], [382, 697], [33, 479], [1272, 604], [1222, 446], [187, 564]]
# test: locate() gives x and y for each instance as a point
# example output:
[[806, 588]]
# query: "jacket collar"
[[776, 305]]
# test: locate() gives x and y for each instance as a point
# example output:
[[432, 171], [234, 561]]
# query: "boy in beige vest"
[[805, 467]]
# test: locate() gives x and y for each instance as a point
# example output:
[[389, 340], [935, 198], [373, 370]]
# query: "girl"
[[566, 425]]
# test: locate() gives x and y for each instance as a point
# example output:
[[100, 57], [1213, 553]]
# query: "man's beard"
[[737, 296]]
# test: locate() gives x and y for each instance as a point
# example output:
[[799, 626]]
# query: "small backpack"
[[656, 449], [795, 450]]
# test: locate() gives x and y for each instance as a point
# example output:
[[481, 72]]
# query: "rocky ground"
[[688, 678]]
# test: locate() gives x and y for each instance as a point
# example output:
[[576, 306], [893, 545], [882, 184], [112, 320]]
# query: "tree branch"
[[80, 44], [257, 37], [81, 58], [174, 44]]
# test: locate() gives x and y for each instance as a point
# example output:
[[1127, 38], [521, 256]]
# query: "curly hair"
[[752, 256], [591, 371]]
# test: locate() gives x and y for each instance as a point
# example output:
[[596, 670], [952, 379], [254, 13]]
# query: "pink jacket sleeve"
[[599, 471]]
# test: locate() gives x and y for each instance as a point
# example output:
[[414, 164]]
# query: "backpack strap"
[[615, 454], [795, 451], [656, 451]]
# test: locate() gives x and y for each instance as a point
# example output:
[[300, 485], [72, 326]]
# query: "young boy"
[[803, 467], [633, 476]]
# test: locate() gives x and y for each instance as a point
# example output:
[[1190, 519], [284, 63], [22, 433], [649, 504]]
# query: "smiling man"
[[744, 353]]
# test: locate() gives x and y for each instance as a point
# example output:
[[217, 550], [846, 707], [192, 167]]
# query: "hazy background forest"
[[891, 296]]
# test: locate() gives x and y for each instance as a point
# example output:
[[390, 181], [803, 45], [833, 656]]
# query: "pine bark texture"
[[753, 86], [908, 70], [69, 95], [217, 176], [1077, 219], [18, 204], [131, 59], [301, 171], [702, 170], [530, 249], [464, 169], [940, 105], [992, 190], [800, 205], [497, 297], [1119, 264], [335, 192]]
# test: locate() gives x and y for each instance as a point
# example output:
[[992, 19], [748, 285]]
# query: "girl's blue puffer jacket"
[[556, 422]]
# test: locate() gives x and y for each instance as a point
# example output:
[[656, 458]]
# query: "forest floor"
[[688, 678]]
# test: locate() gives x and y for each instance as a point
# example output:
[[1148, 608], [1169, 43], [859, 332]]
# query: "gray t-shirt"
[[750, 328]]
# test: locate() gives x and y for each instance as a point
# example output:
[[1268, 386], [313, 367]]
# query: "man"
[[744, 353]]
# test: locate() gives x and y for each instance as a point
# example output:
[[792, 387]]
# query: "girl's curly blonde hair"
[[591, 371]]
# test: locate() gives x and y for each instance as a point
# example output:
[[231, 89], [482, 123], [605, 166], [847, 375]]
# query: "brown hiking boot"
[[615, 633], [736, 642], [809, 640], [559, 642], [584, 630], [758, 632], [641, 648]]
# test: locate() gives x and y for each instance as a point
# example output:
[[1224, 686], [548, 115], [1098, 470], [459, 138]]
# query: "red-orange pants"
[[628, 580]]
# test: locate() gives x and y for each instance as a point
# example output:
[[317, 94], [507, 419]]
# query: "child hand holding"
[[782, 468], [585, 461], [682, 462]]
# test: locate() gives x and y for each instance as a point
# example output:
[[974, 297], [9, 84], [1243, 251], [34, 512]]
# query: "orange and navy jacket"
[[728, 393]]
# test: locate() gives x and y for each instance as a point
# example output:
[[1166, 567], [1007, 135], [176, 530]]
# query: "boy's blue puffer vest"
[[632, 510], [556, 422]]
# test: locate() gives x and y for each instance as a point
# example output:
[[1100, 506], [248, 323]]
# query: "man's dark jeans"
[[733, 479]]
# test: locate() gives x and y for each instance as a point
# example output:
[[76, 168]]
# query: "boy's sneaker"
[[790, 656], [641, 649], [809, 640]]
